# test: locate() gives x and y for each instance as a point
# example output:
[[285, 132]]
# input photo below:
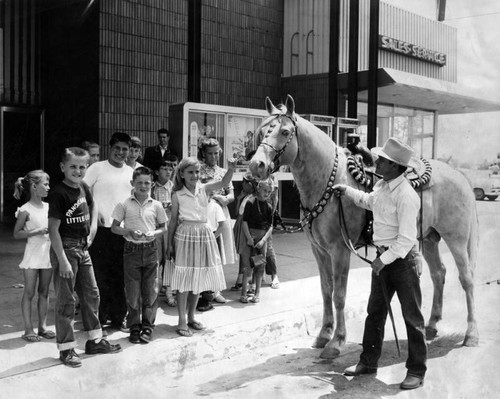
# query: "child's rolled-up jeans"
[[249, 251], [85, 285]]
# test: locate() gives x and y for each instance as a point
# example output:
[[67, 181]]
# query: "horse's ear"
[[290, 105], [270, 107]]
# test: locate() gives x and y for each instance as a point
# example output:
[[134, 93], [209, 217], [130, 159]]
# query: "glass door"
[[21, 150]]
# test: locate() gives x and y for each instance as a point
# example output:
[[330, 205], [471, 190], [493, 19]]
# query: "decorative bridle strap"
[[319, 207], [277, 152]]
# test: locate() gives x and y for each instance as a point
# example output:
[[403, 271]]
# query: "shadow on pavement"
[[305, 362]]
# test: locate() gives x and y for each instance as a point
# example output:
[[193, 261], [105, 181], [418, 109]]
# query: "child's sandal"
[[171, 301], [244, 299], [255, 299]]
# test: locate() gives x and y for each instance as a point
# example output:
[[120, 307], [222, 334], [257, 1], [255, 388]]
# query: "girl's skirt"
[[198, 264]]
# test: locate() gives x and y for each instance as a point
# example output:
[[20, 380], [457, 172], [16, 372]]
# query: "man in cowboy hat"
[[395, 207]]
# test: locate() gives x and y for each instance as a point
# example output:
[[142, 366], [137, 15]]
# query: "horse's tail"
[[473, 243]]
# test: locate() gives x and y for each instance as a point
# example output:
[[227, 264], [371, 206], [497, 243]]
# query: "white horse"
[[316, 162]]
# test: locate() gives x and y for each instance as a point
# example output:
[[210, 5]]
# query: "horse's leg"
[[340, 273], [326, 280], [466, 275], [438, 274]]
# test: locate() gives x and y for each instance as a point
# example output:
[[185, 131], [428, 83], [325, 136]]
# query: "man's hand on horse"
[[339, 189], [377, 266]]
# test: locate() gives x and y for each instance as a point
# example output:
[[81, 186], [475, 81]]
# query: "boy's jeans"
[[84, 283], [140, 263]]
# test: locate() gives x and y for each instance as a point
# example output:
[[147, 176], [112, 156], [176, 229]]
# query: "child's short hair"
[[172, 158], [167, 164], [87, 145], [267, 183], [74, 152], [205, 143], [183, 165], [142, 170], [135, 142], [22, 184], [119, 137]]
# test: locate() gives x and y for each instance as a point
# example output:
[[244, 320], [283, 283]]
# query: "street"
[[286, 365]]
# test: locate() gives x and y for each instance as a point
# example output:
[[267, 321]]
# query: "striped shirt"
[[163, 192]]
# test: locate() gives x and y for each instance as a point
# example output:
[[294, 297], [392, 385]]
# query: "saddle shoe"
[[412, 382], [359, 369]]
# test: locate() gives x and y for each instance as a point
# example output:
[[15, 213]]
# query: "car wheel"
[[479, 194], [492, 197]]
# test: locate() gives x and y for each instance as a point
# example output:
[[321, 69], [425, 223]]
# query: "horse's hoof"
[[329, 353], [320, 342], [430, 333], [471, 341]]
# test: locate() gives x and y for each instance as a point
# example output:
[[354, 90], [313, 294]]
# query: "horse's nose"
[[258, 168]]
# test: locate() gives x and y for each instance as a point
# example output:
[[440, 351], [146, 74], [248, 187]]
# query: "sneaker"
[[91, 348], [135, 337], [236, 287], [219, 298], [70, 358], [146, 335]]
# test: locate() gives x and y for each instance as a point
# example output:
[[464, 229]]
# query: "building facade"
[[75, 70]]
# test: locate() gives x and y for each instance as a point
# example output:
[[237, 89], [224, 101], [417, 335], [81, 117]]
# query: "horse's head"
[[278, 145]]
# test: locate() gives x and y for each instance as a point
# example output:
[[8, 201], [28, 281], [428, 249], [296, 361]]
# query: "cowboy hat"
[[398, 152]]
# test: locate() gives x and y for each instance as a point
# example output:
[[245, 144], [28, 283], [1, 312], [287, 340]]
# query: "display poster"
[[240, 139], [204, 125]]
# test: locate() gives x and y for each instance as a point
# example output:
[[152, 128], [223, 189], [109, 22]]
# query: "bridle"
[[275, 163], [318, 208]]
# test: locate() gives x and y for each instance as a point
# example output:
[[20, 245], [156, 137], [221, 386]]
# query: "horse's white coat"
[[448, 210]]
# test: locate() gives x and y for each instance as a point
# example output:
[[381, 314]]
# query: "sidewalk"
[[292, 310]]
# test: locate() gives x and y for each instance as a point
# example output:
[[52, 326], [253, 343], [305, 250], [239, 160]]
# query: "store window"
[[205, 125], [412, 126], [241, 139], [235, 134]]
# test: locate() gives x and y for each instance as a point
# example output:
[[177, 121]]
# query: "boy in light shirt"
[[144, 221]]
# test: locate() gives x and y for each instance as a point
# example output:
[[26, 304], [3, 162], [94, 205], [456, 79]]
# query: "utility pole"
[[373, 74], [352, 91]]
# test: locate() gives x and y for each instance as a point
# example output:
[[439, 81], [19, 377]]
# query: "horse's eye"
[[285, 132]]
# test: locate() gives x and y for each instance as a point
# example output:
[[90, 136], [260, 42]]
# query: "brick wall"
[[310, 93], [143, 59], [241, 51], [143, 69]]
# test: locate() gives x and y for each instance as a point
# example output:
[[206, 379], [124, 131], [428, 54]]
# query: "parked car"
[[484, 184]]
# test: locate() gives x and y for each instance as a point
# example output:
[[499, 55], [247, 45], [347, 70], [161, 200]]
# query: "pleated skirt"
[[198, 265]]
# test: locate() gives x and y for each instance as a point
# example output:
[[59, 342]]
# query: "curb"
[[253, 327]]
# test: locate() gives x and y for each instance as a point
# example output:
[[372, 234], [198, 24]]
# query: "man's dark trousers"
[[400, 277], [107, 257]]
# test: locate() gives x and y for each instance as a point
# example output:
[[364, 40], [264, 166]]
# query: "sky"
[[472, 138]]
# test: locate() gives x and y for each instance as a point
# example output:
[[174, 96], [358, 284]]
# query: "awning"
[[414, 91]]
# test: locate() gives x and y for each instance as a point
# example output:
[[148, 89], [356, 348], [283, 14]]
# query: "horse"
[[317, 163]]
